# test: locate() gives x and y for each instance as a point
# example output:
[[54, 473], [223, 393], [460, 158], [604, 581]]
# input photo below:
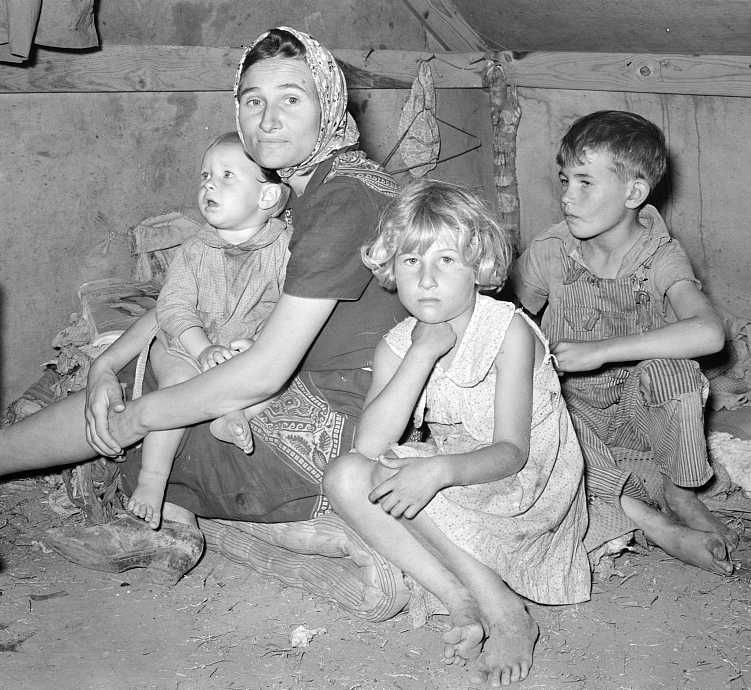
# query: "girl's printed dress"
[[528, 527]]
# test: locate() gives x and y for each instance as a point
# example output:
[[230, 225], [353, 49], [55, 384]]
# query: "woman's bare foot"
[[693, 513], [465, 637], [146, 501], [233, 428]]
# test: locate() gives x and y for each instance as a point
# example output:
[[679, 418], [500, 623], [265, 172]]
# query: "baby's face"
[[231, 186]]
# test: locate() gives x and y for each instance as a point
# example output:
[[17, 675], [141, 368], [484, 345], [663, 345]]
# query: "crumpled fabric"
[[337, 129], [52, 23], [421, 142]]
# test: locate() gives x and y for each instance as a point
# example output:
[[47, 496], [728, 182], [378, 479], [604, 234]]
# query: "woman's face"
[[279, 112]]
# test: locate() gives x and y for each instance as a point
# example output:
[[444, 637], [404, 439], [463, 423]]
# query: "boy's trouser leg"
[[662, 408]]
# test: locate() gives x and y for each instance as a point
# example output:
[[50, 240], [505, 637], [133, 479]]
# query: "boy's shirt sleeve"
[[529, 277], [177, 304], [671, 265]]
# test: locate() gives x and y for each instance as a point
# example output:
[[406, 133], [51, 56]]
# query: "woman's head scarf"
[[337, 129]]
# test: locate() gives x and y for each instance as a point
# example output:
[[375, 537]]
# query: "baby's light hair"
[[426, 209], [635, 145], [267, 175]]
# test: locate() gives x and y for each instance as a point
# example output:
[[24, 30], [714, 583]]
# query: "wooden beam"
[[126, 68], [194, 68], [710, 75], [445, 23]]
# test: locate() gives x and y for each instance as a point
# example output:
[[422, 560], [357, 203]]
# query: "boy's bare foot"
[[233, 428], [464, 639], [705, 550], [693, 513], [507, 653], [146, 503]]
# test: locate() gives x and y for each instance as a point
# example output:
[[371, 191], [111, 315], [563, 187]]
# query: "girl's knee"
[[344, 473]]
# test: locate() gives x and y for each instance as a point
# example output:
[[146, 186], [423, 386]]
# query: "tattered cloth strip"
[[505, 114], [420, 142], [52, 23], [730, 378]]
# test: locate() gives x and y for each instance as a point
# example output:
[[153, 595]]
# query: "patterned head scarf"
[[337, 130]]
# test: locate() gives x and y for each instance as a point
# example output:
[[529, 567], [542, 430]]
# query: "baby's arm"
[[697, 332], [416, 480], [396, 386]]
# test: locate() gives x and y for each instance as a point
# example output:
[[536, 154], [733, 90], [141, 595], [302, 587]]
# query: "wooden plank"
[[195, 68], [445, 23], [126, 68], [711, 75]]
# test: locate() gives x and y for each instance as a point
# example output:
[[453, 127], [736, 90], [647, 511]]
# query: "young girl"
[[491, 509]]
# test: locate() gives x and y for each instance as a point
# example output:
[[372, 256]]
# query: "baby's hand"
[[436, 338], [579, 356], [212, 356], [407, 491], [240, 345]]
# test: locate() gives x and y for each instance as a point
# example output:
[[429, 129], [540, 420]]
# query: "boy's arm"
[[396, 387], [698, 331], [528, 278]]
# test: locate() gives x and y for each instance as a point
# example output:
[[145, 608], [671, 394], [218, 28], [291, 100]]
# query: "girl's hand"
[[212, 356], [408, 490], [434, 338], [579, 356], [104, 396]]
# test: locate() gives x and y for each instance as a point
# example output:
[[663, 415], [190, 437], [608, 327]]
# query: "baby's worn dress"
[[527, 527]]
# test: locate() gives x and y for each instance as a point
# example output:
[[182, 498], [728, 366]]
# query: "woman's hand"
[[104, 395], [434, 338], [409, 488], [214, 355]]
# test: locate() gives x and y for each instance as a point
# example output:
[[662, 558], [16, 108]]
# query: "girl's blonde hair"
[[424, 210]]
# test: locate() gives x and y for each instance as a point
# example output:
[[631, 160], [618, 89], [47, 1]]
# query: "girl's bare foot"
[[146, 501], [507, 653], [233, 428], [693, 513], [465, 637]]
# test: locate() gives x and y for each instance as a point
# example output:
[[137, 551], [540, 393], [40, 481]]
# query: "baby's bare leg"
[[159, 447], [697, 547], [234, 427]]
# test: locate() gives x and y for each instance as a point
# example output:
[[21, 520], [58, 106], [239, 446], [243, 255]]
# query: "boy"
[[220, 287], [625, 317]]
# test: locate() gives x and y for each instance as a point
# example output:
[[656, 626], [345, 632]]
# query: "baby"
[[220, 287]]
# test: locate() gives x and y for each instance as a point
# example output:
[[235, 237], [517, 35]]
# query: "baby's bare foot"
[[507, 653], [146, 503], [464, 639], [233, 428]]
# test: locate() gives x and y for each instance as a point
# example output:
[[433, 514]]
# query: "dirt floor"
[[651, 623]]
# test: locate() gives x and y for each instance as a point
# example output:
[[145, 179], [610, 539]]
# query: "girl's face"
[[437, 285], [279, 112]]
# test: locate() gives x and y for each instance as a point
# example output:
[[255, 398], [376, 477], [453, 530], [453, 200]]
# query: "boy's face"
[[593, 197], [231, 187]]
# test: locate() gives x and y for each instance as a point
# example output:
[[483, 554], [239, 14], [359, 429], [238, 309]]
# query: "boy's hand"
[[407, 491], [212, 356], [433, 338], [579, 356]]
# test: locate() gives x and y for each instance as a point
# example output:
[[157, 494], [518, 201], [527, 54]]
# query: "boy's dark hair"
[[636, 145], [277, 43], [233, 137]]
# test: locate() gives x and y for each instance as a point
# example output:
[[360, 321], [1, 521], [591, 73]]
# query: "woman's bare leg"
[[479, 601], [54, 436]]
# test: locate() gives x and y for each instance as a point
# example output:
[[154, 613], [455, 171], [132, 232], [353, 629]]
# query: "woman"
[[312, 357]]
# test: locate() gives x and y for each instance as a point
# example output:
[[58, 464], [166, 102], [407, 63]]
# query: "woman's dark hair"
[[276, 43]]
